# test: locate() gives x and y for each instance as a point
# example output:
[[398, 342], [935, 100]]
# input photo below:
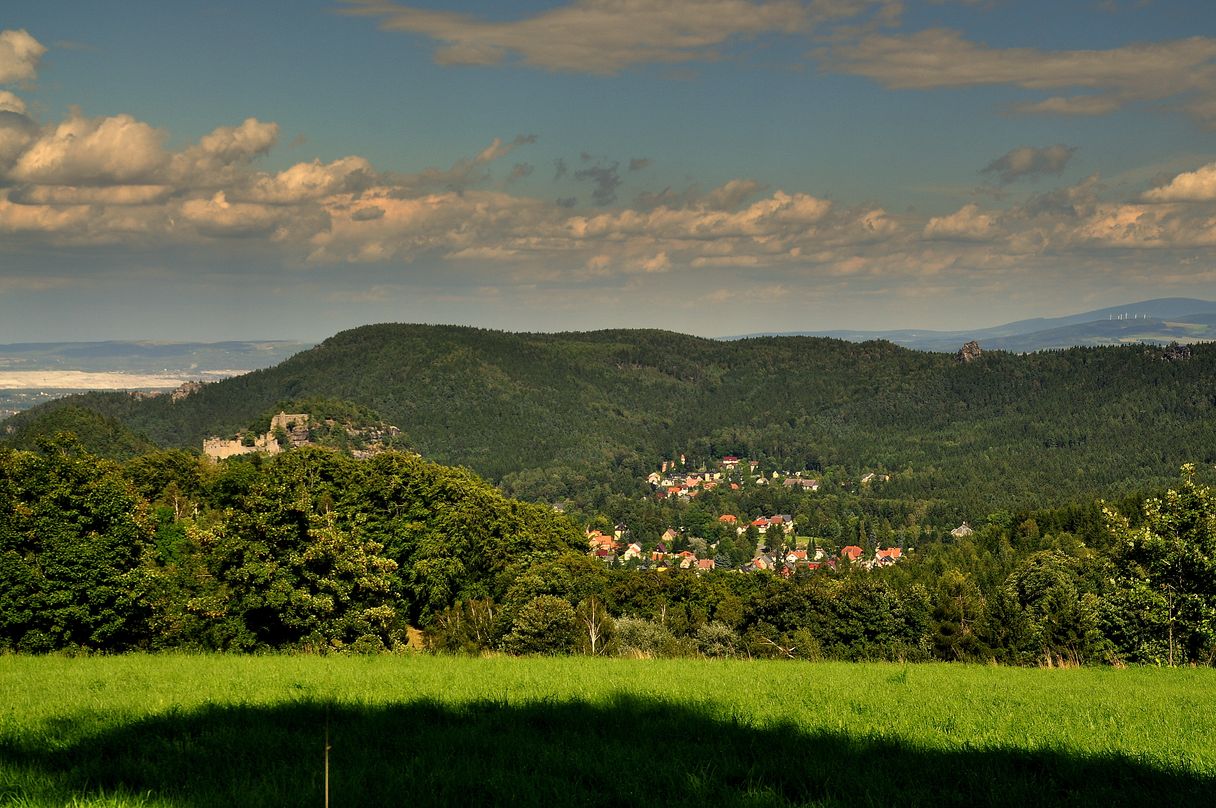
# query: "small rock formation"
[[186, 389], [1175, 353], [969, 352]]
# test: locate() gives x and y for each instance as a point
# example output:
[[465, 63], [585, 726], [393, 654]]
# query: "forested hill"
[[545, 411]]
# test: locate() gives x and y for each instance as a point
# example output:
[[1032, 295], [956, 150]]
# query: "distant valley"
[[32, 373]]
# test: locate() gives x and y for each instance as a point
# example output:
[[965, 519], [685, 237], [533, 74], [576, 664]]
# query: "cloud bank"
[[87, 181]]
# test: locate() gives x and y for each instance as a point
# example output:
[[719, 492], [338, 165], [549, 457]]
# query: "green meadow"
[[181, 730]]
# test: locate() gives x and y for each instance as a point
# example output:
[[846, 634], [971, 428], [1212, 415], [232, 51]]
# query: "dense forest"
[[581, 417], [116, 534], [314, 550]]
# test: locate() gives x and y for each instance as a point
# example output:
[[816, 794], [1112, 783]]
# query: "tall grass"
[[229, 730]]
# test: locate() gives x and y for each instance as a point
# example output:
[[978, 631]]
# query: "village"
[[777, 549]]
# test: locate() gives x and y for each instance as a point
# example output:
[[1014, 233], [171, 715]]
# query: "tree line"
[[312, 550]]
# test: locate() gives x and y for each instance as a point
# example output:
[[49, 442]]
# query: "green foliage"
[[315, 550], [1062, 616], [717, 639], [72, 533], [310, 549], [95, 432], [1169, 576], [639, 637], [596, 628], [545, 625], [466, 627]]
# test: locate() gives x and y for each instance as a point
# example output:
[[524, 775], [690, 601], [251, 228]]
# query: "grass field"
[[418, 730]]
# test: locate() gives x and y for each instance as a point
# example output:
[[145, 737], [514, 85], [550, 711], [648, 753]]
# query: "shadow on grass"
[[630, 752]]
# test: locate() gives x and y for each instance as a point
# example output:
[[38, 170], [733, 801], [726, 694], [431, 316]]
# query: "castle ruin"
[[292, 426]]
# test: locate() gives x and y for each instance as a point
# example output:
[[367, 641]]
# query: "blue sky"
[[288, 169]]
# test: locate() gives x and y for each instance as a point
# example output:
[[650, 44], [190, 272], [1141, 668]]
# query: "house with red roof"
[[851, 552], [888, 556]]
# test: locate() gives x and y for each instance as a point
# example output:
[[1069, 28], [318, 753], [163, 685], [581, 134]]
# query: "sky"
[[291, 168]]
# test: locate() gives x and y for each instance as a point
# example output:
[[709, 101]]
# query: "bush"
[[545, 625], [717, 639], [636, 636]]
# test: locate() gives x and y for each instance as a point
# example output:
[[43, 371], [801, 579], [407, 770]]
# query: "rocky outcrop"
[[186, 389], [1175, 353], [292, 430], [969, 352]]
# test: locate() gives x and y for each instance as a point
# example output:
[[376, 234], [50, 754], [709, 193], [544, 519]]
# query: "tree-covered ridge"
[[556, 415], [100, 434]]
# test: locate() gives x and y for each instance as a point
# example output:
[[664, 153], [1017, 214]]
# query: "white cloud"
[[17, 132], [40, 219], [85, 151], [1158, 227], [219, 217], [1074, 105], [659, 262], [20, 54], [967, 223], [10, 102], [497, 149], [311, 181], [1190, 186], [89, 181], [774, 215], [464, 173], [220, 156], [732, 194]]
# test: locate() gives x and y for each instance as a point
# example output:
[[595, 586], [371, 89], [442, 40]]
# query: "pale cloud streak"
[[1184, 70], [1029, 161], [593, 36]]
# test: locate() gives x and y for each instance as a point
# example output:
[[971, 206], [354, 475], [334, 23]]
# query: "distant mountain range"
[[34, 372], [1171, 319], [146, 356]]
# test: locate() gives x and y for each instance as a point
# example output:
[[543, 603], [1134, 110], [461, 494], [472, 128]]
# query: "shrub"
[[717, 639], [545, 625]]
